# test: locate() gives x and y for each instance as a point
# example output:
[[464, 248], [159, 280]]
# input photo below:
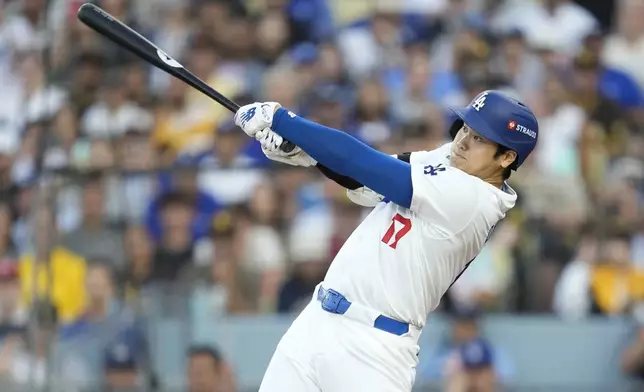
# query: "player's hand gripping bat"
[[116, 31]]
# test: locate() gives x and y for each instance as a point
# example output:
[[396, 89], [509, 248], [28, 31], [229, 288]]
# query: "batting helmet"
[[501, 119]]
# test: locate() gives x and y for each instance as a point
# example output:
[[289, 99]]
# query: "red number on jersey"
[[397, 235]]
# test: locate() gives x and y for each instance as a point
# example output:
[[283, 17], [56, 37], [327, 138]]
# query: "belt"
[[334, 302]]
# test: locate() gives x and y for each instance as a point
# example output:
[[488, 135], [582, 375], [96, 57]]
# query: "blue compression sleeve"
[[348, 156]]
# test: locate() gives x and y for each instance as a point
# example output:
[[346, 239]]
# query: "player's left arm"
[[348, 182], [347, 156]]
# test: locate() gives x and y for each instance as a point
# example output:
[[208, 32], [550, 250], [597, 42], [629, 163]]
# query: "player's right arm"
[[356, 191], [271, 143], [396, 180]]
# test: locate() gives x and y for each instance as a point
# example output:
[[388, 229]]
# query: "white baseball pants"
[[325, 352]]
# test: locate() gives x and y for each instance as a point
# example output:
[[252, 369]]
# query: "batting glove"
[[271, 143], [255, 117], [364, 197]]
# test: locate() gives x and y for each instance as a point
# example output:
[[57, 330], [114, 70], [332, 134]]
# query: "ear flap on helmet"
[[456, 126]]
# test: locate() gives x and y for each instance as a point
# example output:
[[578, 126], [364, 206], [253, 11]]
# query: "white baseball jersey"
[[401, 261]]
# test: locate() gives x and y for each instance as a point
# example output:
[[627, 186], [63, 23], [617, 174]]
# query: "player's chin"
[[457, 161]]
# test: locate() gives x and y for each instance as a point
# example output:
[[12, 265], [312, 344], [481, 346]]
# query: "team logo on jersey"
[[433, 170], [512, 125]]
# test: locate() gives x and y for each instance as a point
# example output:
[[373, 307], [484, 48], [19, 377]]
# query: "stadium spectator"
[[466, 360], [182, 180], [65, 287], [174, 252], [124, 361], [93, 239], [208, 371]]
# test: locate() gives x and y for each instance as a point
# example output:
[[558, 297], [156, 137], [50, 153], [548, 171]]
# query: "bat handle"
[[287, 146]]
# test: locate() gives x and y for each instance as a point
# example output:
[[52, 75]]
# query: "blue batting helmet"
[[503, 120]]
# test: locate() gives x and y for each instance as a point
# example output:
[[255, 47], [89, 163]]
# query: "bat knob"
[[287, 146]]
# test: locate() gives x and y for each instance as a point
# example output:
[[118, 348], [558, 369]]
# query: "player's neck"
[[496, 181]]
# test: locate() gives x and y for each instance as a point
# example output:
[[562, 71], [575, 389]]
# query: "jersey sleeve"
[[443, 196], [429, 156]]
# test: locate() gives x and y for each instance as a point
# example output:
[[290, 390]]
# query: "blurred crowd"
[[123, 189]]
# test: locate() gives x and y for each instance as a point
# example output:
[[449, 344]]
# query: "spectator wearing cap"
[[466, 357], [124, 362]]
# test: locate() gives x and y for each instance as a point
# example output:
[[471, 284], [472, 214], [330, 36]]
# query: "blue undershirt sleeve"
[[348, 156]]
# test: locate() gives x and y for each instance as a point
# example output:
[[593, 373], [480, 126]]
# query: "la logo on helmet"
[[479, 102]]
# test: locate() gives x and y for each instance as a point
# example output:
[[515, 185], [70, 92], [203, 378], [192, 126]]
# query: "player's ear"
[[507, 158]]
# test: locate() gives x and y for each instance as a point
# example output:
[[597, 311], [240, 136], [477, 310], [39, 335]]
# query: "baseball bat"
[[124, 36]]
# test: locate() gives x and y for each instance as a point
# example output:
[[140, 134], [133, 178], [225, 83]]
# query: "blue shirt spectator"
[[184, 180]]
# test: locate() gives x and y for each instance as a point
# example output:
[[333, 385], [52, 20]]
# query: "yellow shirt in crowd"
[[67, 282], [614, 287]]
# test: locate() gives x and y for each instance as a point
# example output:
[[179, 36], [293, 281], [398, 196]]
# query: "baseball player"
[[434, 211]]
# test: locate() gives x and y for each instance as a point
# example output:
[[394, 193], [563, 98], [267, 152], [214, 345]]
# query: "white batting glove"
[[364, 197], [255, 117], [271, 143]]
